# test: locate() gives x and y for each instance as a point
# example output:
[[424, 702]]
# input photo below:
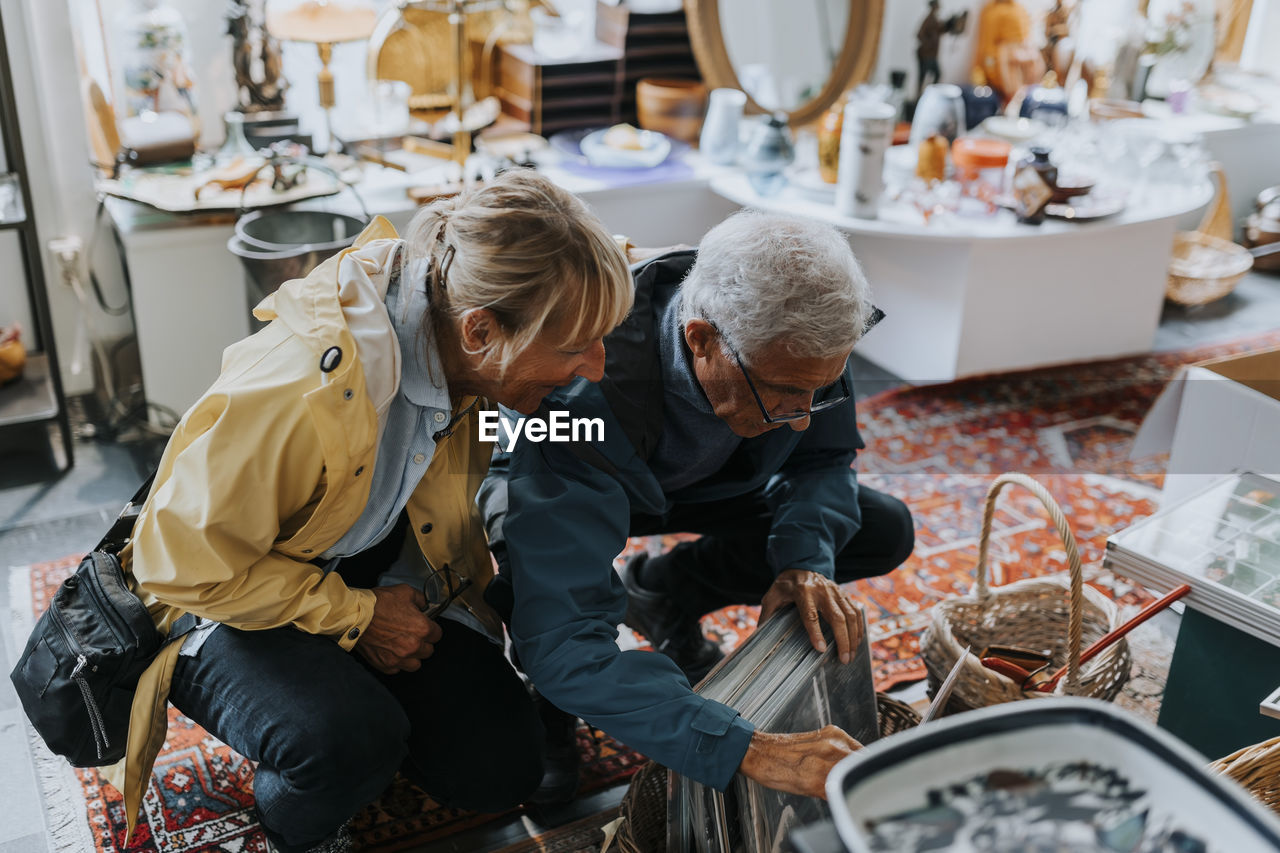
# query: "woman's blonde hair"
[[528, 251]]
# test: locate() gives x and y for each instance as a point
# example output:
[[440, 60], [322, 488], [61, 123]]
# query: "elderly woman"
[[319, 500]]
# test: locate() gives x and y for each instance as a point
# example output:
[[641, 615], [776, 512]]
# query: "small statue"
[[1005, 54], [249, 36], [928, 40]]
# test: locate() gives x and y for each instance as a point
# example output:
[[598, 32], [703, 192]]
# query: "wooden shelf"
[[31, 398]]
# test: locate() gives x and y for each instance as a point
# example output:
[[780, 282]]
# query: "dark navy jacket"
[[558, 514]]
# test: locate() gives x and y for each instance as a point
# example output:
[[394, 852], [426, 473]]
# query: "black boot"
[[561, 765], [560, 759], [669, 629], [339, 842]]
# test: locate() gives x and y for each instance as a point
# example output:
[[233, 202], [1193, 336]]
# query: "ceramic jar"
[[718, 141], [867, 131], [979, 165]]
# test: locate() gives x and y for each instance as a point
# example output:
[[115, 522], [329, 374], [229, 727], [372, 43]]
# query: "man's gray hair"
[[761, 278]]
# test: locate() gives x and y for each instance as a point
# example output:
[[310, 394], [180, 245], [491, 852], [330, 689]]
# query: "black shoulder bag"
[[77, 676]]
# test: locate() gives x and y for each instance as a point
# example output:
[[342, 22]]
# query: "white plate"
[[810, 182], [655, 150]]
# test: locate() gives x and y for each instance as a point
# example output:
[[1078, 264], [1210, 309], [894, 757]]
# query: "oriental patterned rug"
[[201, 793]]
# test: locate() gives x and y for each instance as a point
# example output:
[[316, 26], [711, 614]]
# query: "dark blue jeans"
[[329, 733]]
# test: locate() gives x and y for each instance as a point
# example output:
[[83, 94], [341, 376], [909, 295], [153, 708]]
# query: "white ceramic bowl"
[[655, 149]]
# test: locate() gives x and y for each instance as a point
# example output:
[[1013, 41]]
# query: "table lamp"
[[323, 23]]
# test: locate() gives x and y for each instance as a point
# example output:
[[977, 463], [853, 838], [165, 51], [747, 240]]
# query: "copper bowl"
[[672, 107], [1260, 230], [1069, 186]]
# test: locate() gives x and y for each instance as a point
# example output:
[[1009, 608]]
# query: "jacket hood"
[[312, 307]]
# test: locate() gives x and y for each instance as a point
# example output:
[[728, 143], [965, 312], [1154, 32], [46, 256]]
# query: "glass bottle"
[[1033, 184], [829, 127], [768, 153]]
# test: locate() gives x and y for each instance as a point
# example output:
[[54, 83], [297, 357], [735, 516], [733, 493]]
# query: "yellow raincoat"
[[269, 469]]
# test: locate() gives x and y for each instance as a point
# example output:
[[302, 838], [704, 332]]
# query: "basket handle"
[[1076, 613], [1217, 221]]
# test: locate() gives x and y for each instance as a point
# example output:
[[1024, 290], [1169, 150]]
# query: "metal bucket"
[[279, 245]]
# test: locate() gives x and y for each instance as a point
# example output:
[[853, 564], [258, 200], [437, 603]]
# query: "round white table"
[[968, 296]]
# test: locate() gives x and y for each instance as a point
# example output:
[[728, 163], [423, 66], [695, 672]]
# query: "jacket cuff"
[[360, 619], [719, 744], [785, 552]]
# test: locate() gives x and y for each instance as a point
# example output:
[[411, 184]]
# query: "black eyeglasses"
[[440, 588], [822, 398], [816, 406]]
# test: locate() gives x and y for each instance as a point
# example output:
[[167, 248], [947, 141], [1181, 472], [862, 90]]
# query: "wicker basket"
[[1053, 614], [1204, 268], [1205, 264], [1257, 768], [895, 716], [644, 812], [644, 806]]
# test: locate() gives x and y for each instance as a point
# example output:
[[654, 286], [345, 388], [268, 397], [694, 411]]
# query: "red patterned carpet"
[[936, 447]]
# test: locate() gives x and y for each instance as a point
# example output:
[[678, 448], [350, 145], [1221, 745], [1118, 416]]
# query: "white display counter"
[[969, 296]]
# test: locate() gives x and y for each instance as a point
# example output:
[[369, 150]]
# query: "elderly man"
[[726, 410]]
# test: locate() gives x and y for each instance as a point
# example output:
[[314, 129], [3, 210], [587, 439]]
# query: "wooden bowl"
[[672, 107]]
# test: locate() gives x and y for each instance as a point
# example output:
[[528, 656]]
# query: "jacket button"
[[353, 633], [330, 360], [426, 528], [306, 550], [348, 394], [359, 470]]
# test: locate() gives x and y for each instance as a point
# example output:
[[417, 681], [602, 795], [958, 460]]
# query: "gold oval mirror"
[[796, 56]]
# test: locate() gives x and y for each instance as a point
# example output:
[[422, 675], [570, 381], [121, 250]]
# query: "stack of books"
[[1224, 542], [779, 682]]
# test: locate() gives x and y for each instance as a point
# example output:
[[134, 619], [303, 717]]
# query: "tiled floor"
[[44, 514]]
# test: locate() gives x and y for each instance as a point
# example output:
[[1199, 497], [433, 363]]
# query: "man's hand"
[[813, 594], [796, 763], [400, 636]]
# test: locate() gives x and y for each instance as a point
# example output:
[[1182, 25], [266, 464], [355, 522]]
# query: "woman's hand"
[[813, 594], [797, 763], [400, 636]]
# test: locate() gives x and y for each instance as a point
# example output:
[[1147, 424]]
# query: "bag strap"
[[183, 626], [118, 535], [122, 528]]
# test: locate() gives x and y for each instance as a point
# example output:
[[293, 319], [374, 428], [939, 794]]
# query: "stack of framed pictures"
[[779, 682], [1224, 542]]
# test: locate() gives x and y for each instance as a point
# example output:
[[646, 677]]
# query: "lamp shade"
[[320, 21]]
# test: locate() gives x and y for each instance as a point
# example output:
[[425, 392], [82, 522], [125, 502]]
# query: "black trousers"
[[329, 732], [728, 566]]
